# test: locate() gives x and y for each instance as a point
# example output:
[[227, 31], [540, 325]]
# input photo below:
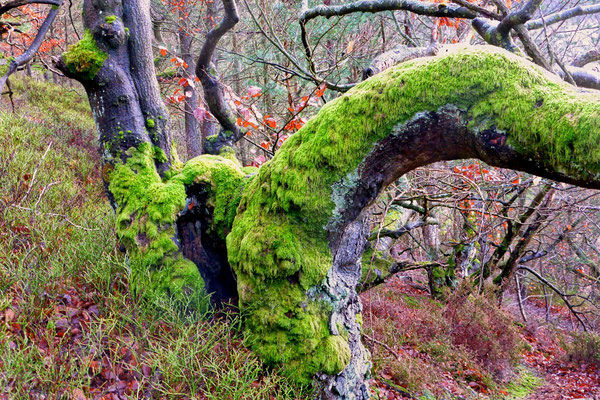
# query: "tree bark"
[[193, 137]]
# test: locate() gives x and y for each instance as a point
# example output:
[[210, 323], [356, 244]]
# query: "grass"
[[69, 325]]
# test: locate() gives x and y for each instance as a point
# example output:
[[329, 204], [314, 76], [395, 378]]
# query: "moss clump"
[[150, 123], [85, 58], [278, 245], [147, 210], [110, 19], [524, 385]]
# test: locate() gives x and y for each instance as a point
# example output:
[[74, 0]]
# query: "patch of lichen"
[[85, 58], [278, 246], [148, 207]]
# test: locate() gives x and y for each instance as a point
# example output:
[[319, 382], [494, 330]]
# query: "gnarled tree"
[[288, 240]]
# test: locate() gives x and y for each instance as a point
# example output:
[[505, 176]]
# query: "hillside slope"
[[69, 327]]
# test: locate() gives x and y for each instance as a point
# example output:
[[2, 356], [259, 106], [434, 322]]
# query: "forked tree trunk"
[[164, 213], [295, 232]]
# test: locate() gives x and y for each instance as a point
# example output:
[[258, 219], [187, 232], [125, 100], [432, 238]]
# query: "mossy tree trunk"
[[295, 232], [169, 218]]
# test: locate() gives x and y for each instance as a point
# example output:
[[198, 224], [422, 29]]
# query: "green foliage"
[[524, 385], [84, 58], [4, 64]]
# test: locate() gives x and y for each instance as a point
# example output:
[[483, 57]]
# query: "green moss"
[[4, 64], [150, 123], [278, 245], [375, 266], [250, 170], [84, 58], [148, 207], [110, 19], [523, 385]]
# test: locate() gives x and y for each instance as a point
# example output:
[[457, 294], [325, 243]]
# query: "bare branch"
[[498, 34], [562, 16], [18, 3], [395, 234], [586, 58], [518, 17], [378, 277], [396, 56], [214, 94], [478, 9], [373, 6], [562, 295], [583, 77]]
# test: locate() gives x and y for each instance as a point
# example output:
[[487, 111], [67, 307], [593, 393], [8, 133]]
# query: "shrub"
[[584, 348], [480, 326]]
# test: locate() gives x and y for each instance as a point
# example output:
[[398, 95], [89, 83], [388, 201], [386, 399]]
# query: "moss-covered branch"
[[296, 243]]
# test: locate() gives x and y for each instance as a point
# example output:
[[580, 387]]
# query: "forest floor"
[[449, 363], [70, 328]]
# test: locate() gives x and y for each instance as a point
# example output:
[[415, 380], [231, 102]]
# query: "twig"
[[558, 292], [520, 299], [388, 348], [35, 174]]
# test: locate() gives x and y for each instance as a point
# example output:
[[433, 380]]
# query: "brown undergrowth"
[[465, 346]]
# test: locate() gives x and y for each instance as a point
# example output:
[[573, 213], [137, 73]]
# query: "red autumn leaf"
[[270, 122], [254, 91], [320, 91]]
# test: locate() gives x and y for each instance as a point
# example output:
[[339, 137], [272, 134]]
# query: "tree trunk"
[[171, 221], [193, 138]]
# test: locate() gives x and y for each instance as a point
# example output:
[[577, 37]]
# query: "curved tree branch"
[[214, 94], [478, 9], [562, 16], [18, 3], [37, 42], [396, 56], [373, 6], [312, 196], [583, 77], [498, 34], [587, 57], [517, 17]]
